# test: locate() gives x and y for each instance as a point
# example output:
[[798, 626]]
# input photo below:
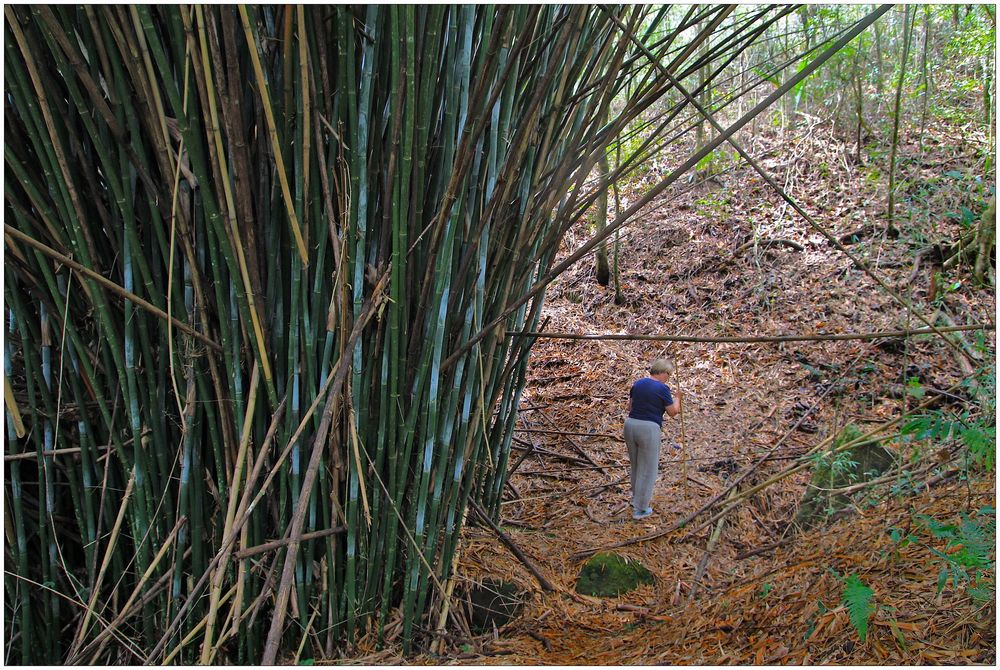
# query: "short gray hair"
[[661, 365]]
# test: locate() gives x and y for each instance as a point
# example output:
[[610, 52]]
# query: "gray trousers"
[[643, 441]]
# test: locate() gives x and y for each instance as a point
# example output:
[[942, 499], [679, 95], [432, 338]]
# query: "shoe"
[[642, 514]]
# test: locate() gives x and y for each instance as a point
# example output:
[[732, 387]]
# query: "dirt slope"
[[687, 269], [769, 594]]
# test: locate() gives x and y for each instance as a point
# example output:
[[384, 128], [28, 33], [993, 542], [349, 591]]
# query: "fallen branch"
[[855, 235], [284, 542], [541, 638], [898, 391], [564, 432], [514, 549], [753, 339], [580, 450], [697, 481], [533, 449], [766, 548], [709, 548]]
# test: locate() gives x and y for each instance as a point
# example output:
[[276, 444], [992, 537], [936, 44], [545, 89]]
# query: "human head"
[[661, 368]]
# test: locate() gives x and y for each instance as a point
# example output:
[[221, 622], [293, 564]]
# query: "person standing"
[[648, 399]]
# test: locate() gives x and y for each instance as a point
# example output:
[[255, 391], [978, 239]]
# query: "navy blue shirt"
[[650, 398]]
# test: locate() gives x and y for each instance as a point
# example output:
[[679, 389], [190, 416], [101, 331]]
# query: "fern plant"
[[857, 598], [969, 556]]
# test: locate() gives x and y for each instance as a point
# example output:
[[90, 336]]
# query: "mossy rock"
[[861, 463], [607, 575], [493, 603]]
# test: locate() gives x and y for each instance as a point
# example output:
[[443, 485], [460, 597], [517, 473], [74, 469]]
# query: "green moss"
[[607, 575]]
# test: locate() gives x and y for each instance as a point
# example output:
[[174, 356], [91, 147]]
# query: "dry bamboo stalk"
[[108, 284], [15, 414], [750, 339], [207, 650], [105, 635], [108, 553], [709, 548], [272, 131]]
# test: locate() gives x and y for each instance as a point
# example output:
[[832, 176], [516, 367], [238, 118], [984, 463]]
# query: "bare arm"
[[674, 408]]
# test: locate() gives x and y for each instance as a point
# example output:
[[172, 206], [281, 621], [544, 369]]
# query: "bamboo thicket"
[[259, 267]]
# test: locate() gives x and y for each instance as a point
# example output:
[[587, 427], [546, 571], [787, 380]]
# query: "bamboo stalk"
[[111, 286], [273, 132]]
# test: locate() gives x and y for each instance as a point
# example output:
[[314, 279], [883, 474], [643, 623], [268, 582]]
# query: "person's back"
[[649, 398]]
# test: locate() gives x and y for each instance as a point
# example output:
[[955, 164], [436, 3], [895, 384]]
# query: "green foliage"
[[974, 428], [714, 204], [857, 598], [969, 554], [768, 73], [915, 388], [837, 465]]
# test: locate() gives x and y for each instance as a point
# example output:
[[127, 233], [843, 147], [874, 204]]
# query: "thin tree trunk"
[[616, 269], [925, 79], [859, 97], [896, 115], [986, 240], [603, 271], [880, 66]]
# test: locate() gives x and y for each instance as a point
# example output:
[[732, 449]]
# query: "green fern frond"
[[858, 599]]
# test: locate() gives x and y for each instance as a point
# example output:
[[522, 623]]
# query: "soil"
[[770, 592]]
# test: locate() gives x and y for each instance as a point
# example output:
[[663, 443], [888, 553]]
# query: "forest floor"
[[771, 592]]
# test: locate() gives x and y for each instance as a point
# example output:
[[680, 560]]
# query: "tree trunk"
[[878, 58], [859, 97], [619, 296], [897, 113], [601, 220]]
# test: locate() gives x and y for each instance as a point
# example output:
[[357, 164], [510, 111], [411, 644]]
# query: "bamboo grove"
[[260, 265]]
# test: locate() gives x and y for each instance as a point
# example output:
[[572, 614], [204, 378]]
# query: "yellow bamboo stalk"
[[170, 263], [305, 632], [355, 440], [111, 627], [272, 130], [11, 404], [230, 202], [43, 104], [306, 107], [684, 450], [207, 650], [161, 117], [108, 553], [193, 633]]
